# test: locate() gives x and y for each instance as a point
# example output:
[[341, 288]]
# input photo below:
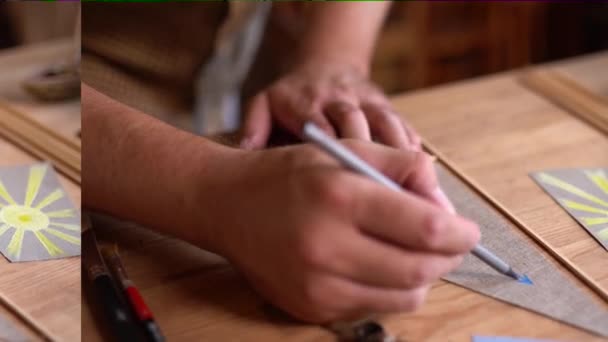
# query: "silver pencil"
[[315, 135]]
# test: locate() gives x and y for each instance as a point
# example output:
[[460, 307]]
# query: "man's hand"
[[328, 82], [337, 97], [324, 243], [315, 239]]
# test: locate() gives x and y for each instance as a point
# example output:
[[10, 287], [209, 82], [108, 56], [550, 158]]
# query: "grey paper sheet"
[[37, 219], [583, 193], [552, 294], [9, 333]]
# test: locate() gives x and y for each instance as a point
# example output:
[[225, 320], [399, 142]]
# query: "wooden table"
[[48, 292], [493, 129]]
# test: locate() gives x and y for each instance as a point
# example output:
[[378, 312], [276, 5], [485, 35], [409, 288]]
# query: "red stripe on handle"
[[141, 309]]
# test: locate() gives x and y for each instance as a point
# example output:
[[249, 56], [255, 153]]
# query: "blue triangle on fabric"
[[525, 280]]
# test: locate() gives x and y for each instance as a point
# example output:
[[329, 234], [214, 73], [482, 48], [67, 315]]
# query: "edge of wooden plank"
[[28, 320], [72, 143], [569, 95], [41, 142]]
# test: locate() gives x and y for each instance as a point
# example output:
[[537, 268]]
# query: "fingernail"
[[440, 197]]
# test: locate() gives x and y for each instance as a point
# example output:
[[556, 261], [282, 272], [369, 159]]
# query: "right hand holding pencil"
[[323, 243]]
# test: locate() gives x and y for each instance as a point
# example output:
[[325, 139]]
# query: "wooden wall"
[[35, 21], [428, 43]]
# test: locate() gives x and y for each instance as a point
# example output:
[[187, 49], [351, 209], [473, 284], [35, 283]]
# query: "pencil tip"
[[525, 280], [522, 278]]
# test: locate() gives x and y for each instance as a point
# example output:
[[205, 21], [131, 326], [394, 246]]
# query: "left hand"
[[337, 97]]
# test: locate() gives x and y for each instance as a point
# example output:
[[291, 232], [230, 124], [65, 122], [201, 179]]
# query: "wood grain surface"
[[493, 129], [46, 293]]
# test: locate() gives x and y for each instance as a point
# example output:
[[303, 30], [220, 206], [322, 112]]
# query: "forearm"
[[342, 31], [138, 168]]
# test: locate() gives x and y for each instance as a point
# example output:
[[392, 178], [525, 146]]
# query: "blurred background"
[[31, 22], [422, 43], [428, 43], [39, 57]]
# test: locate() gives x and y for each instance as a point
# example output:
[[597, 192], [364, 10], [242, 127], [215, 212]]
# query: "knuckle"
[[334, 194], [420, 160], [314, 251], [305, 156], [345, 112], [432, 231], [419, 275], [387, 119]]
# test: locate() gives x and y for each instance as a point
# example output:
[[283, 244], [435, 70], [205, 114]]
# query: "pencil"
[[117, 314], [350, 160], [136, 301]]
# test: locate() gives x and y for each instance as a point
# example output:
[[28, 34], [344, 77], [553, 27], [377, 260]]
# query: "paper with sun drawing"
[[583, 193], [37, 219]]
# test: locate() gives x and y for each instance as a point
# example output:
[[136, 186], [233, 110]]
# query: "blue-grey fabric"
[[9, 333]]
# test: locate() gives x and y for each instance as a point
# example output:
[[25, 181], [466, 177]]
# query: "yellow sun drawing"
[[599, 206], [30, 217]]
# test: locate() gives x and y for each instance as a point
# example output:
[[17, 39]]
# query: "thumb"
[[258, 123]]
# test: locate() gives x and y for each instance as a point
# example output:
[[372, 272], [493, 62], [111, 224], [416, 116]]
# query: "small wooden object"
[[60, 82], [570, 95]]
